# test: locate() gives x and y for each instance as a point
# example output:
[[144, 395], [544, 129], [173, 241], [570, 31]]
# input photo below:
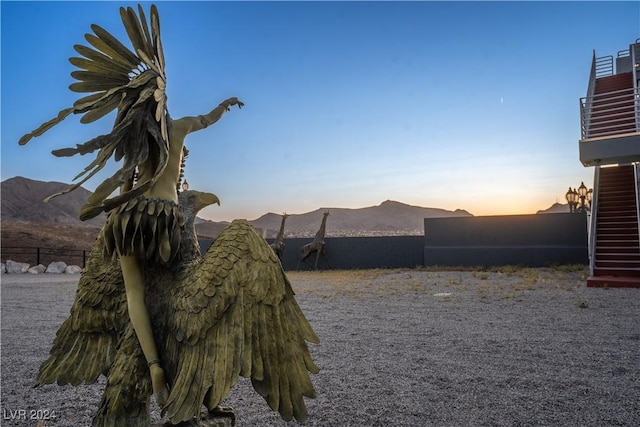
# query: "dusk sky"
[[469, 105]]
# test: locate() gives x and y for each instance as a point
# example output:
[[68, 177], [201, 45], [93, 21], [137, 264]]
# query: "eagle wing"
[[235, 314], [98, 339], [86, 342]]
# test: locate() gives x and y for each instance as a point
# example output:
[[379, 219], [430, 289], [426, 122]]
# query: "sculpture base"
[[221, 417]]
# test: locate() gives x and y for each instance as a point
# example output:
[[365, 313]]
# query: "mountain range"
[[22, 201], [388, 218]]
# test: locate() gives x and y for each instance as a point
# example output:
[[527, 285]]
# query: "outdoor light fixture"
[[582, 190], [579, 200], [185, 185]]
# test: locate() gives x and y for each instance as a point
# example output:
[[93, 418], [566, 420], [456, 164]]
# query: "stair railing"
[[585, 109], [600, 67], [623, 53], [603, 66], [591, 231], [636, 176], [634, 50], [611, 112]]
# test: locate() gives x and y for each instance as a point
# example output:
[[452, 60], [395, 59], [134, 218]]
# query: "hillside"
[[52, 235], [555, 208], [388, 218], [22, 199]]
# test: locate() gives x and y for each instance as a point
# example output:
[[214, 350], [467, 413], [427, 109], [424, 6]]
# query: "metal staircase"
[[616, 240], [613, 106], [610, 141]]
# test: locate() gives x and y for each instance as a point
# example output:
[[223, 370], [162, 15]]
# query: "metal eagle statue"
[[151, 313]]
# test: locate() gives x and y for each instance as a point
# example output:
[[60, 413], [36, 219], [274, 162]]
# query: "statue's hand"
[[231, 102]]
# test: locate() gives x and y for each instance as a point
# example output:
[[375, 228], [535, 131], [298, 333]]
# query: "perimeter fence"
[[44, 256]]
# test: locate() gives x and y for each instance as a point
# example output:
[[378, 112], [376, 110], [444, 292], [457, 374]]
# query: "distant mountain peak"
[[393, 203], [23, 199], [555, 208]]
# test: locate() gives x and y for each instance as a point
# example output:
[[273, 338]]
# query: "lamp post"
[[579, 199]]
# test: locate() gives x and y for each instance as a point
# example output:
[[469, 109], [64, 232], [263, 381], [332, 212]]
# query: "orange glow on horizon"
[[511, 207]]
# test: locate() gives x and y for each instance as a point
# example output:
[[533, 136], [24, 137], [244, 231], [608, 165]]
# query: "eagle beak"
[[206, 199]]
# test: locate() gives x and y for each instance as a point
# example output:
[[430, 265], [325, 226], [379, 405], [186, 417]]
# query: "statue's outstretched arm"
[[196, 123]]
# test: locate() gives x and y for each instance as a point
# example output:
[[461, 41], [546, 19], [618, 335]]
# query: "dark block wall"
[[347, 253], [527, 240]]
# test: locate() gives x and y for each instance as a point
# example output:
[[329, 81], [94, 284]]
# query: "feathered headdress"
[[132, 82]]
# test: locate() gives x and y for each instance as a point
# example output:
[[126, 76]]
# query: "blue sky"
[[470, 105]]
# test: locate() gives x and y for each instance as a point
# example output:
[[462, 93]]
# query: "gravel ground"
[[399, 348]]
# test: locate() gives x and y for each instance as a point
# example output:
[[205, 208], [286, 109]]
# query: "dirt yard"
[[399, 348]]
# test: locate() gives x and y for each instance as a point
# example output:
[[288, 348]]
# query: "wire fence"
[[44, 256]]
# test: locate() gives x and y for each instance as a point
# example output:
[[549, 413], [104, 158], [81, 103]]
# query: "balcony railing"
[[603, 66], [610, 113]]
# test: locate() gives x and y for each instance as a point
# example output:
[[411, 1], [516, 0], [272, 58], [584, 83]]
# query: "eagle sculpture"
[[150, 313], [230, 313]]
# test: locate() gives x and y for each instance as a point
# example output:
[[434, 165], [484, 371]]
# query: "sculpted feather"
[[118, 78]]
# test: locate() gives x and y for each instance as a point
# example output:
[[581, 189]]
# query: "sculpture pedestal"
[[214, 421], [211, 419], [209, 422]]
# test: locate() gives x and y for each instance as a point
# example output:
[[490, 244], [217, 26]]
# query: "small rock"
[[38, 269], [14, 267], [56, 267], [582, 304], [73, 269]]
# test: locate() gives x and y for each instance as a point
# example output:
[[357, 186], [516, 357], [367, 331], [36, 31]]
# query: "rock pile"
[[58, 267]]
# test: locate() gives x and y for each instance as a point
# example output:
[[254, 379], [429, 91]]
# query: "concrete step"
[[613, 282]]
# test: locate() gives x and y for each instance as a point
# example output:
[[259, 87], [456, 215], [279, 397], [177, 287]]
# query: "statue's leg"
[[317, 257], [325, 257], [305, 254], [139, 315]]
